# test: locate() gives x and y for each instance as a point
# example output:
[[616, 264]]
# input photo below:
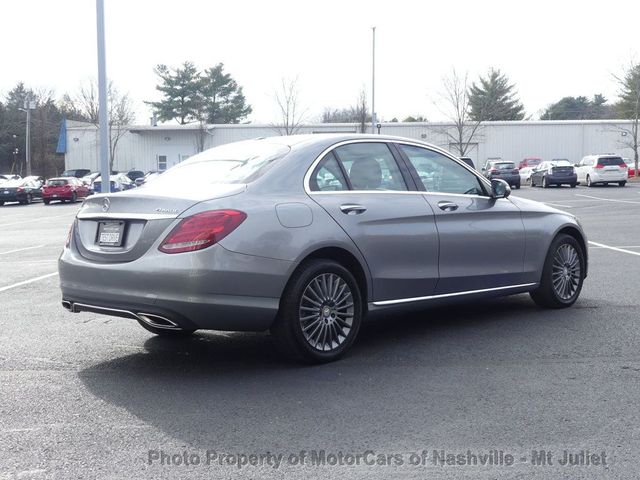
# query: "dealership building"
[[158, 147]]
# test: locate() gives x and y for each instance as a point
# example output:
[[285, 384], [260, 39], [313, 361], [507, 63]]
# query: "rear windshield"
[[241, 162], [57, 182], [504, 166], [12, 183], [607, 161], [533, 161], [561, 163]]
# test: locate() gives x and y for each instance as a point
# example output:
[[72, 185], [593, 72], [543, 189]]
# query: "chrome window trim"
[[446, 295], [307, 176]]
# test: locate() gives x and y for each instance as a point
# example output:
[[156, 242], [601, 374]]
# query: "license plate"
[[55, 196], [6, 192], [110, 234]]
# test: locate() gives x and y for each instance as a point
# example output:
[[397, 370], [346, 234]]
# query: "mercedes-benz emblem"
[[106, 205]]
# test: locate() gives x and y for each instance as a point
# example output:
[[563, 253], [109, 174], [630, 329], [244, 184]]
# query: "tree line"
[[189, 95]]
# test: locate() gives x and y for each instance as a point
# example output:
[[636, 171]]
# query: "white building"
[[160, 147]]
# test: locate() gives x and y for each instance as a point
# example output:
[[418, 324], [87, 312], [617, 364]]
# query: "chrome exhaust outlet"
[[67, 305], [157, 321]]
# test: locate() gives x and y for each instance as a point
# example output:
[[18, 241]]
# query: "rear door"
[[373, 198], [482, 240]]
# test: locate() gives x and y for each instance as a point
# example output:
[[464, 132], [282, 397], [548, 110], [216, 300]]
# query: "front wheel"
[[517, 185], [320, 313], [562, 274], [573, 185], [589, 184], [46, 202], [545, 183], [74, 197]]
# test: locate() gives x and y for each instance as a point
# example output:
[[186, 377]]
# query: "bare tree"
[[358, 113], [629, 108], [454, 104], [120, 112], [291, 113]]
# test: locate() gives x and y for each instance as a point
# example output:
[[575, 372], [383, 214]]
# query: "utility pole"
[[29, 105], [105, 171], [373, 83]]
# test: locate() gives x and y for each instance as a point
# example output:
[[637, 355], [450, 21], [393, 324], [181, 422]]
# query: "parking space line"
[[616, 249], [21, 249], [25, 282], [557, 205], [607, 199]]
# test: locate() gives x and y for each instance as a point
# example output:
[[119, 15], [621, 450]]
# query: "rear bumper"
[[510, 179], [562, 179], [57, 196], [613, 178], [212, 289]]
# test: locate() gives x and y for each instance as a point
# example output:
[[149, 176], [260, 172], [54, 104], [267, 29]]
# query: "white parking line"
[[607, 199], [25, 282], [614, 248], [21, 249]]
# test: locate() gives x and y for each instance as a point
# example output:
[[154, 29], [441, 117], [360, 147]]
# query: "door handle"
[[352, 209], [447, 206]]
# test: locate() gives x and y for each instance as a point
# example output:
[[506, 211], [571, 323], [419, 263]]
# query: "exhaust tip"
[[67, 305], [157, 321]]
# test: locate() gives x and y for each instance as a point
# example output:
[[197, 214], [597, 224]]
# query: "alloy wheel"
[[566, 271], [326, 312]]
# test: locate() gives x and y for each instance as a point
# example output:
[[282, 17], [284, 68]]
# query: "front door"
[[363, 188], [482, 240]]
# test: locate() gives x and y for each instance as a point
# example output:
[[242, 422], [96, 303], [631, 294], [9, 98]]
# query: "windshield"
[[241, 162], [57, 182], [609, 161], [504, 166]]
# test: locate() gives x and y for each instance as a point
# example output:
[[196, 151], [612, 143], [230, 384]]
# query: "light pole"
[[373, 82], [29, 105], [105, 171]]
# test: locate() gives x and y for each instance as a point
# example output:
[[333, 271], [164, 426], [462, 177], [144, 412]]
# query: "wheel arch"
[[346, 259]]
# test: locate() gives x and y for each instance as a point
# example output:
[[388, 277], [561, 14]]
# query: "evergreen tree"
[[494, 98], [180, 87], [222, 98]]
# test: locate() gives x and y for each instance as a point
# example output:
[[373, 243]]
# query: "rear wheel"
[[545, 183], [320, 313], [166, 332], [74, 197], [517, 185], [46, 202], [573, 185], [562, 274], [622, 184]]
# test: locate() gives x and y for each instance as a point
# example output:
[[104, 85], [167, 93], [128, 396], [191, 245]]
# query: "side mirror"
[[500, 188]]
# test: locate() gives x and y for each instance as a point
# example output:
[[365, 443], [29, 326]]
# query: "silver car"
[[306, 236]]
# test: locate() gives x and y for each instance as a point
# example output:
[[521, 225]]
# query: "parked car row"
[[71, 186]]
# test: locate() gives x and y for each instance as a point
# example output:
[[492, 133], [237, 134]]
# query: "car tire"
[[545, 184], [74, 197], [29, 198], [622, 184], [1, 203], [46, 202], [166, 332], [589, 184], [572, 185], [517, 185], [562, 274], [317, 288]]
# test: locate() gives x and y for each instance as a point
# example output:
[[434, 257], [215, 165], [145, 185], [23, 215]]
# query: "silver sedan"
[[306, 236]]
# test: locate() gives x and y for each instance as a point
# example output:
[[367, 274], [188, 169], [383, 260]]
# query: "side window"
[[328, 177], [371, 166], [439, 173]]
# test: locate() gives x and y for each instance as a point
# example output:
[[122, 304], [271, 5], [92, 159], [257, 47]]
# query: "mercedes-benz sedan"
[[306, 236]]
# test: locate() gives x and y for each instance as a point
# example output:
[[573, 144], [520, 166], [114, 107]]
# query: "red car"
[[64, 189], [530, 162], [632, 167]]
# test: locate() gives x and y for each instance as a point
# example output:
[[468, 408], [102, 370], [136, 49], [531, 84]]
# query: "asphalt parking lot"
[[88, 396]]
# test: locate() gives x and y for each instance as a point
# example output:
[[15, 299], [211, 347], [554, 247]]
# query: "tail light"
[[599, 166], [20, 190], [68, 241], [201, 230], [515, 170], [493, 170]]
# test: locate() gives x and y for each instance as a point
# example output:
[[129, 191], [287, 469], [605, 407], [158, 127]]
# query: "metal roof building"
[[160, 147]]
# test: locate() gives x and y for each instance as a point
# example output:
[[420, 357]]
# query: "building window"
[[162, 163]]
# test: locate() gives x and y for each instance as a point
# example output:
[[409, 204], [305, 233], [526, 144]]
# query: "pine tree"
[[222, 97], [180, 88], [494, 98]]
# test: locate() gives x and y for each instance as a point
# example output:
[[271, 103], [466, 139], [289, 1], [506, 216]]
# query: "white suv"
[[603, 169]]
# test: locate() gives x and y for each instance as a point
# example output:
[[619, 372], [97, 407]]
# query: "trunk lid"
[[143, 217]]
